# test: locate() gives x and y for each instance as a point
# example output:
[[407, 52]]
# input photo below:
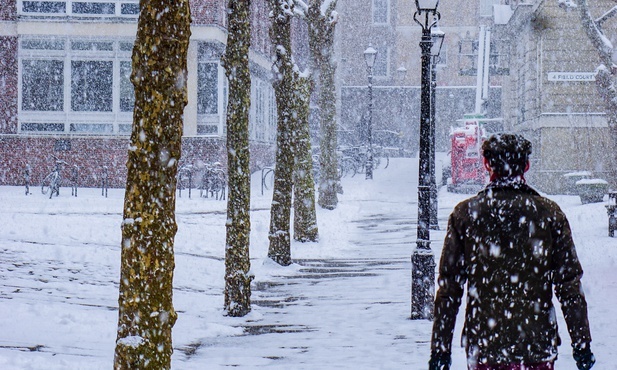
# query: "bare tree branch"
[[595, 34], [606, 16]]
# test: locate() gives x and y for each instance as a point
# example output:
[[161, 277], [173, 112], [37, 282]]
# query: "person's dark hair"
[[507, 154]]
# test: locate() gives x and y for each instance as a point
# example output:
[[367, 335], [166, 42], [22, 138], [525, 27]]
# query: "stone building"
[[389, 27], [65, 88], [550, 95]]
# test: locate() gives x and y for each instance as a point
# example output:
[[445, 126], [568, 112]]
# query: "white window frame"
[[119, 6], [115, 122], [219, 118]]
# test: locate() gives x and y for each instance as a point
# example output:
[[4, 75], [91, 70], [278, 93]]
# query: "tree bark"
[[305, 217], [321, 43], [280, 213], [236, 62], [146, 313]]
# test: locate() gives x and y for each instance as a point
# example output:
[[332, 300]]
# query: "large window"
[[43, 85], [381, 11], [79, 8], [209, 119], [382, 61], [208, 83], [75, 86], [91, 86]]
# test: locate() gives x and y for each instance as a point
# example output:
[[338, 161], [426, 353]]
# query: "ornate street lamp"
[[437, 36], [422, 259], [369, 56]]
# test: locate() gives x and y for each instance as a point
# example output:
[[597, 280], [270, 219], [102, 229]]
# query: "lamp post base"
[[422, 283]]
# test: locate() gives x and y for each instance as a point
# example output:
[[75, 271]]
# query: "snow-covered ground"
[[344, 304]]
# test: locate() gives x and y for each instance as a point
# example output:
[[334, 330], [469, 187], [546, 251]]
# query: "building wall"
[[8, 10], [564, 119], [90, 155], [8, 84], [90, 151], [397, 96], [211, 12]]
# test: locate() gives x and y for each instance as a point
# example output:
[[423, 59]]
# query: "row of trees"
[[146, 312]]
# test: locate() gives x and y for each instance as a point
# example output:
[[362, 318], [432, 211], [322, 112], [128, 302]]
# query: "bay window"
[[77, 86]]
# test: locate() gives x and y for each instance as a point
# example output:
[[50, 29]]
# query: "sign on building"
[[571, 76]]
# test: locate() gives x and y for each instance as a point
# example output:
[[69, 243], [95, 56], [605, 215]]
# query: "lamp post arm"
[[428, 23]]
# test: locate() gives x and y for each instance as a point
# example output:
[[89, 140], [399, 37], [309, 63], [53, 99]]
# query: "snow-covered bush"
[[591, 190]]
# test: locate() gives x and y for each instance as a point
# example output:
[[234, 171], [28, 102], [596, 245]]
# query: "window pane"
[[127, 93], [42, 85], [125, 128], [93, 8], [45, 127], [380, 11], [97, 128], [43, 7], [207, 130], [129, 9], [42, 44], [126, 46], [91, 86], [207, 90], [92, 45]]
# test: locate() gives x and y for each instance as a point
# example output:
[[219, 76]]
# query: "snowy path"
[[343, 304]]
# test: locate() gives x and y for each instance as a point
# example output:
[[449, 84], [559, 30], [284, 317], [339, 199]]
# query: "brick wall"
[[91, 154], [8, 84], [8, 10], [260, 27], [210, 12]]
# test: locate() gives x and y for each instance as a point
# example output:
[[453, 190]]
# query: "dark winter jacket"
[[511, 246]]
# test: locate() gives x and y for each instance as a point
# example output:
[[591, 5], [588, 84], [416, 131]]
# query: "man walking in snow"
[[511, 246]]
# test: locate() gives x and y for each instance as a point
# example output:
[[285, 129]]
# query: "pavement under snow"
[[343, 304]]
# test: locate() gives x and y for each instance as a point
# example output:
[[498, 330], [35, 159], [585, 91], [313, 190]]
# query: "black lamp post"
[[369, 56], [437, 36], [422, 259]]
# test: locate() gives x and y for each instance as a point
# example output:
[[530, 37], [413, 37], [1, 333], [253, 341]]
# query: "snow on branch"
[[301, 8], [327, 6], [611, 13], [566, 3], [595, 34]]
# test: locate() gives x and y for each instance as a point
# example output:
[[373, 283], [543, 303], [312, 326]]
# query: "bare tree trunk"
[[146, 313], [605, 79], [305, 217], [236, 62], [321, 42], [280, 212]]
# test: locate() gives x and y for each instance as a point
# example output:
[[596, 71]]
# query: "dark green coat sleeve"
[[451, 283], [567, 272]]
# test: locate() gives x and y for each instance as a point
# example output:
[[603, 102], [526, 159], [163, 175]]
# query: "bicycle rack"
[[27, 174], [182, 172], [74, 178], [104, 183], [264, 173]]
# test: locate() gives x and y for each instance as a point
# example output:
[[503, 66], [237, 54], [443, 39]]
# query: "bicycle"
[[185, 179], [51, 182], [213, 182]]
